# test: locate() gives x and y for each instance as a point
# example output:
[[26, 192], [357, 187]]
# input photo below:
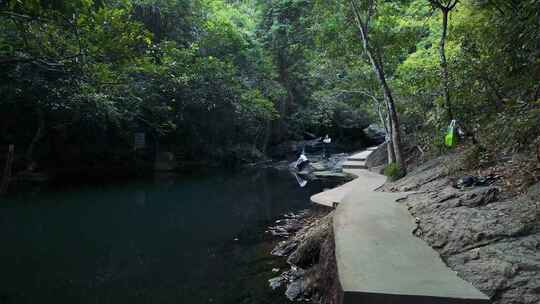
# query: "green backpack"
[[450, 138]]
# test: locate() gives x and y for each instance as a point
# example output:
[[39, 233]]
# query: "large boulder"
[[378, 157], [375, 133]]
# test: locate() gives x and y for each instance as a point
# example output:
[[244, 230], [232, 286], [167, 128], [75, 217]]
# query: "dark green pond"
[[173, 239]]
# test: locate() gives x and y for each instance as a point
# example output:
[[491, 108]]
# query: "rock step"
[[331, 174], [354, 165], [353, 158], [361, 156]]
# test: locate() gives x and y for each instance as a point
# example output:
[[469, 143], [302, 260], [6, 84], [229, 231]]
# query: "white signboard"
[[139, 140]]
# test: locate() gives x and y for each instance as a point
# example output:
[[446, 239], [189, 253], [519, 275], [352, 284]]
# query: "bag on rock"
[[450, 138]]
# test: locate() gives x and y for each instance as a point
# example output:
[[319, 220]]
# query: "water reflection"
[[301, 181], [169, 240]]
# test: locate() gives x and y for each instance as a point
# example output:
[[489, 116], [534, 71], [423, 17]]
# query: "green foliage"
[[518, 127], [99, 71], [209, 74], [486, 74], [393, 172], [473, 157]]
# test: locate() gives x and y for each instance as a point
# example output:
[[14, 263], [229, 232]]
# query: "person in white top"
[[326, 141], [302, 161]]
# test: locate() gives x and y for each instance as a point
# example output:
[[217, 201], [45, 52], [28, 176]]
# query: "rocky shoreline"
[[307, 240], [488, 236], [308, 247]]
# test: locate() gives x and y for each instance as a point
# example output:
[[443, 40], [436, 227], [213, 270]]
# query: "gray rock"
[[378, 169], [534, 192], [318, 166], [308, 250], [332, 174], [279, 231], [277, 282], [294, 273], [295, 290], [284, 248], [295, 287], [375, 133], [491, 243], [377, 158], [292, 224], [428, 172], [479, 197], [287, 226]]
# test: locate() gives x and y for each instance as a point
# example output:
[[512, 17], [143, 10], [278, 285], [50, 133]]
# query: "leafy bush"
[[393, 172], [471, 157]]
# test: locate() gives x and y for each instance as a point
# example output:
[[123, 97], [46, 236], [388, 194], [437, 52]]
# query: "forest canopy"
[[228, 80]]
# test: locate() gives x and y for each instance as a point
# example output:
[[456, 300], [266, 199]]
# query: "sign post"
[[7, 169], [139, 140]]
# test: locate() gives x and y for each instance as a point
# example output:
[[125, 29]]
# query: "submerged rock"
[[295, 283], [318, 166], [295, 290], [291, 223], [332, 174], [277, 282], [284, 248], [286, 226]]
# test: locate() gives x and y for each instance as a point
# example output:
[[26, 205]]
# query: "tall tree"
[[284, 32], [375, 58], [445, 6]]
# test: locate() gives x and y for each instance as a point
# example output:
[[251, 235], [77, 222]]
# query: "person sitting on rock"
[[301, 162]]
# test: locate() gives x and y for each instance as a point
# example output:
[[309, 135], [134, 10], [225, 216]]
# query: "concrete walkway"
[[379, 260]]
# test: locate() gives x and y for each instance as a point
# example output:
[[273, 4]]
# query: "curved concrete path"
[[379, 260]]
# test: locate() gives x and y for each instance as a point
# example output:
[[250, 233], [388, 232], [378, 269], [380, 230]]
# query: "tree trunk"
[[395, 132], [387, 124], [444, 64], [286, 102], [382, 119], [267, 134], [389, 143], [377, 66]]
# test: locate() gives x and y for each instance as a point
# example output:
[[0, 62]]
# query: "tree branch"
[[444, 6], [22, 16], [452, 5], [16, 60]]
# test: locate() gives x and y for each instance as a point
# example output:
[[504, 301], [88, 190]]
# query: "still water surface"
[[173, 239]]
